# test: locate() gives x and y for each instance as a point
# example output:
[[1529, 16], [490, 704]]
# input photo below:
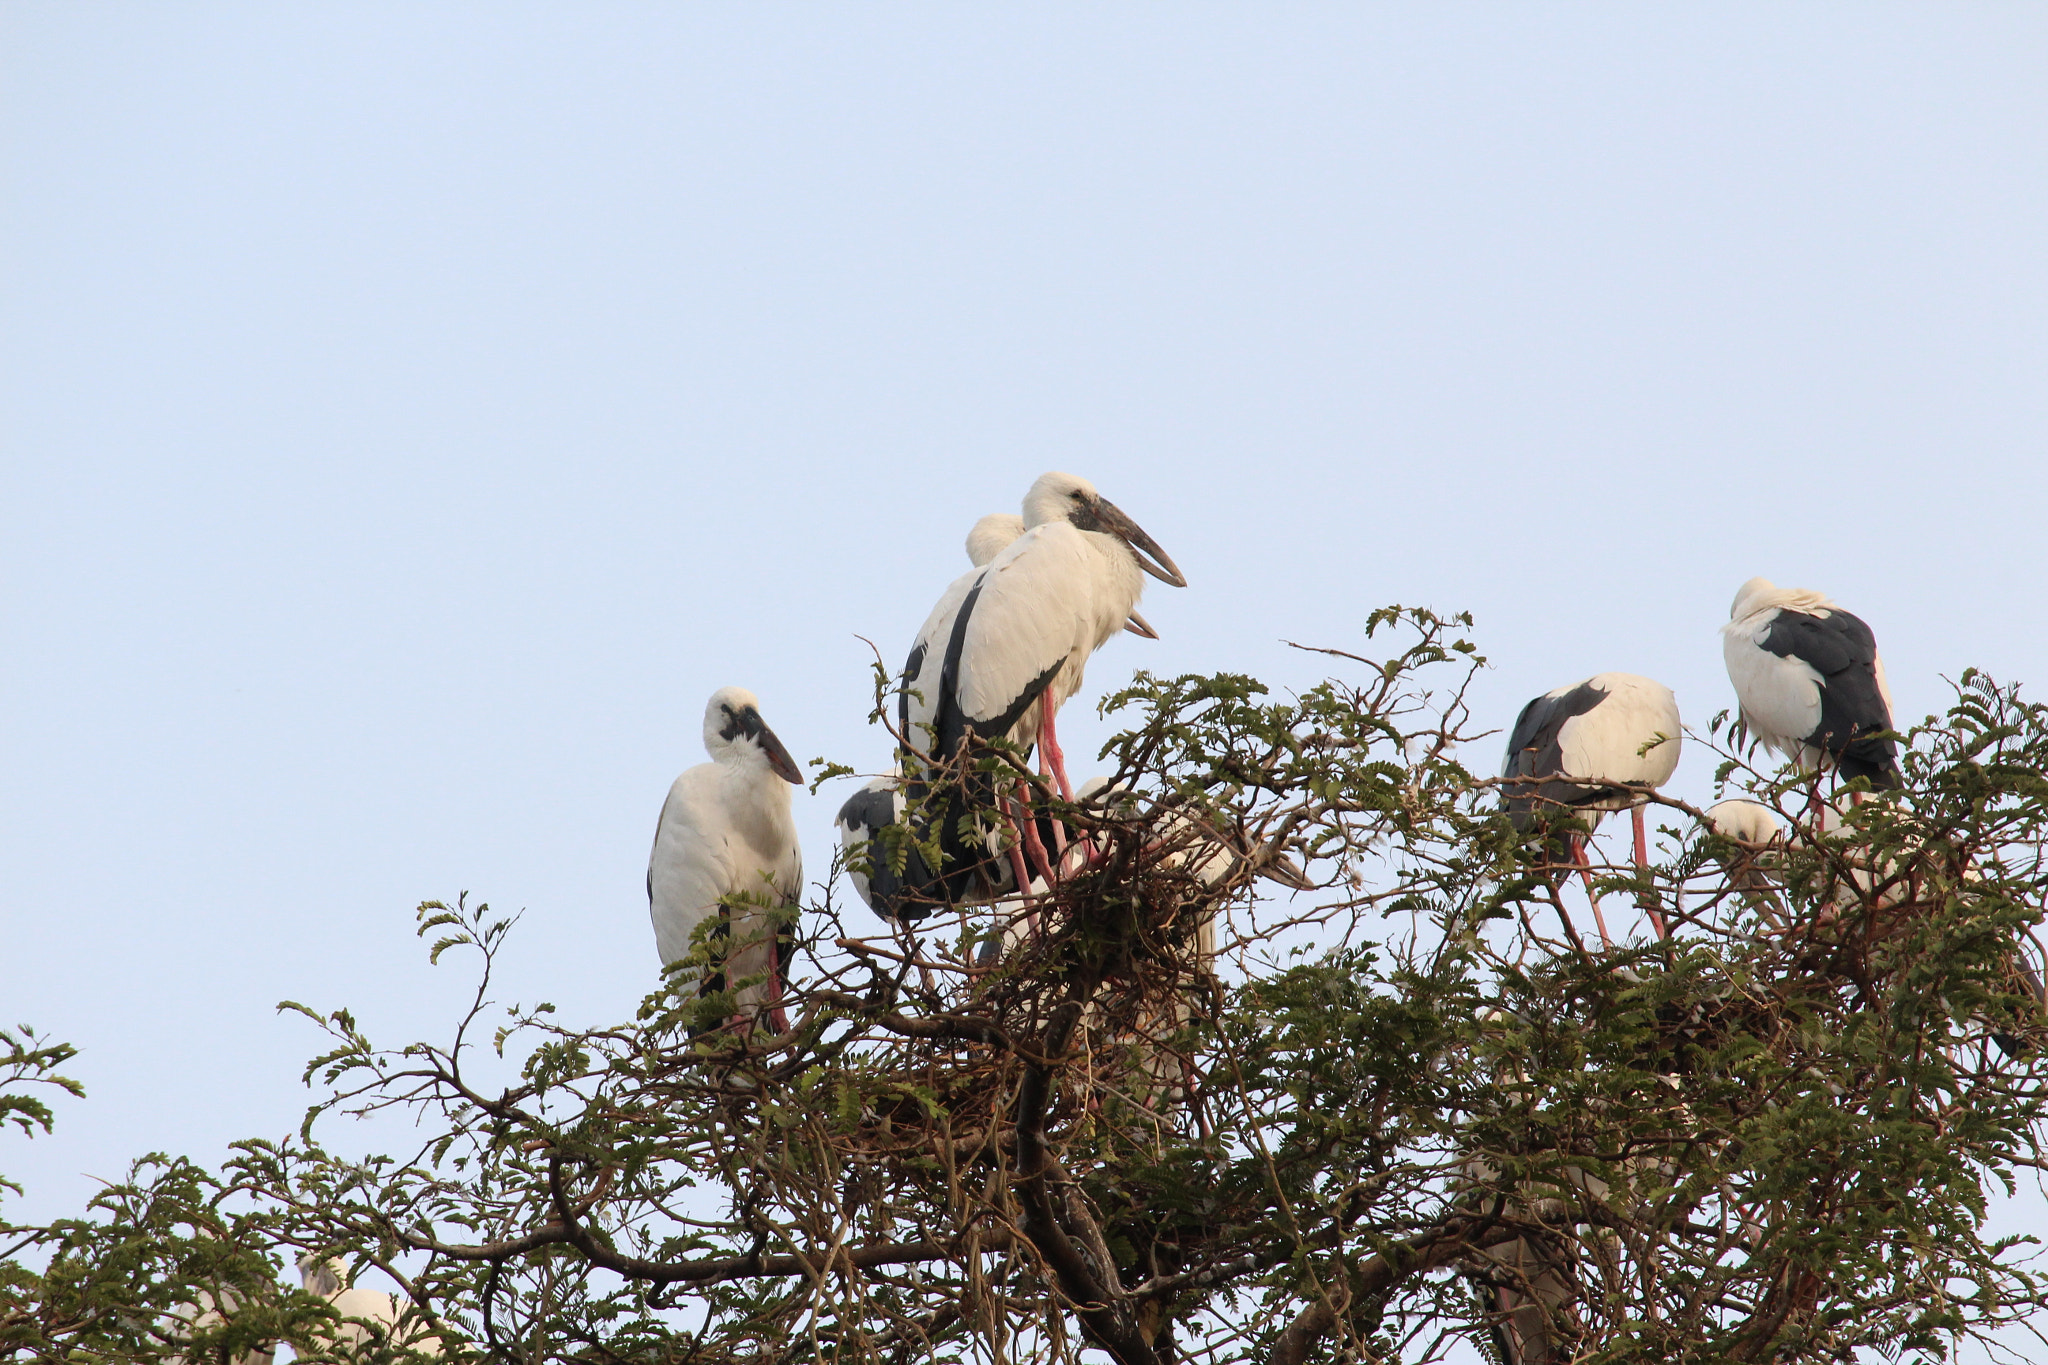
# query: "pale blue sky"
[[412, 414]]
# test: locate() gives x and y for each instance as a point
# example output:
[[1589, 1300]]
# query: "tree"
[[1178, 1118]]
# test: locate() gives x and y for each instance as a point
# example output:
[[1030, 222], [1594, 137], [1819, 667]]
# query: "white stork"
[[726, 828], [1005, 646], [1576, 745], [1810, 682]]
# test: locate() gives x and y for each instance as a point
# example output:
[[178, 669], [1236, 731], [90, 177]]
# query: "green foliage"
[[1306, 1056]]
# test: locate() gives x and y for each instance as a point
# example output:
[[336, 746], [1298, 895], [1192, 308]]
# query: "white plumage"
[[372, 1314], [1575, 746], [1004, 647], [369, 1329], [1747, 822], [1047, 601], [992, 535], [1612, 728], [879, 802], [726, 828], [1810, 681]]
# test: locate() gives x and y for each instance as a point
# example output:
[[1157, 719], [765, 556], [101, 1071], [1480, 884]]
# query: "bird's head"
[[1071, 498], [1760, 594], [1752, 822], [992, 535], [735, 733], [1749, 596]]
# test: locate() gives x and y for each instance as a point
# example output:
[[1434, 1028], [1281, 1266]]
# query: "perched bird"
[[1747, 822], [726, 828], [368, 1329], [1574, 746], [877, 805], [995, 533], [370, 1316], [1755, 870], [999, 654], [1810, 682], [1755, 832], [879, 802]]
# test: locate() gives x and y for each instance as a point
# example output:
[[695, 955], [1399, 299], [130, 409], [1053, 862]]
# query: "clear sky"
[[411, 414]]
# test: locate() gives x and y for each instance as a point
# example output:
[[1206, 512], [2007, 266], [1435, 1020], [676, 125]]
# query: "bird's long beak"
[[1138, 625], [1150, 557], [778, 757]]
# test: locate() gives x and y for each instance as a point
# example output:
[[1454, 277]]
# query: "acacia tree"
[[1172, 1111]]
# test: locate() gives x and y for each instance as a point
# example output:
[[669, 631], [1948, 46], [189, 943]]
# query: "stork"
[[1810, 682], [1582, 746], [997, 531], [1755, 837], [370, 1317], [1005, 646], [879, 802], [369, 1326], [1759, 839], [726, 829]]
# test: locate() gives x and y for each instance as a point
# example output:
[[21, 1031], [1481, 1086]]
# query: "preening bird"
[[1003, 649], [1810, 682], [1572, 747], [1754, 830], [726, 828]]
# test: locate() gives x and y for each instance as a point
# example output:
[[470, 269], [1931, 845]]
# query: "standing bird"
[[879, 802], [726, 828], [1005, 646], [1573, 746], [997, 531], [1810, 682]]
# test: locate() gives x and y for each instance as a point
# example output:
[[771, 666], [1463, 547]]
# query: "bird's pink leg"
[[1018, 871], [1643, 860], [1049, 745], [1024, 849], [778, 1017], [1050, 742], [1028, 840], [1586, 875], [1059, 829], [774, 1013]]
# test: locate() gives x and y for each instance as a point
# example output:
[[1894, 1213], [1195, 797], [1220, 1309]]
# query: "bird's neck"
[[758, 800]]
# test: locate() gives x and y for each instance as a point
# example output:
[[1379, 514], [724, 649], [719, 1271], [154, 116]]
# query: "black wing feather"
[[960, 795], [1536, 749], [1843, 650]]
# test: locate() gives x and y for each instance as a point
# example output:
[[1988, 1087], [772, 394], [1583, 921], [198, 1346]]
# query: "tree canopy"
[[1307, 1056]]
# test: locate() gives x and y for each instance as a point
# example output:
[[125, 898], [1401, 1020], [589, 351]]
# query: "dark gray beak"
[[1150, 557], [778, 757], [1138, 625]]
